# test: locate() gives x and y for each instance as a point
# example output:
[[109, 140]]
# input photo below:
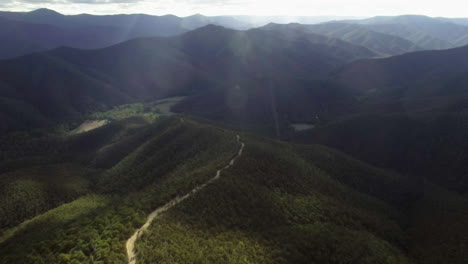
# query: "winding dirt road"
[[131, 241]]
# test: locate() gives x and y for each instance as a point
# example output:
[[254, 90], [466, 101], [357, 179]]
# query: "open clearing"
[[89, 125]]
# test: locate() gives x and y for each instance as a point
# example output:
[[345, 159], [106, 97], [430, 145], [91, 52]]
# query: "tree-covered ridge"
[[98, 232], [280, 203], [29, 192], [276, 207]]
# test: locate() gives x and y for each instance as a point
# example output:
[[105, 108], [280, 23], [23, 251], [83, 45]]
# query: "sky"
[[359, 8]]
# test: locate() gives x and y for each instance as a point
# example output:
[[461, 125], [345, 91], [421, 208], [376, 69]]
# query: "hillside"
[[410, 115], [413, 75], [278, 203]]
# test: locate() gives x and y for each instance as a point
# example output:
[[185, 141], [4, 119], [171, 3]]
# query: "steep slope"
[[275, 206], [411, 115], [55, 88]]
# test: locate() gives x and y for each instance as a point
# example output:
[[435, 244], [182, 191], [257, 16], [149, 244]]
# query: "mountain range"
[[339, 142], [43, 29]]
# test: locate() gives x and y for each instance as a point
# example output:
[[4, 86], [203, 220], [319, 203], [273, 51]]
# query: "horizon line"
[[237, 15]]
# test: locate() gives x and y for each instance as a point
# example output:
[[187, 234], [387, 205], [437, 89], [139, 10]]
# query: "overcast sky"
[[447, 8]]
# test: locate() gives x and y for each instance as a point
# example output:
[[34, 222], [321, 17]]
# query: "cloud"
[[58, 2], [450, 8]]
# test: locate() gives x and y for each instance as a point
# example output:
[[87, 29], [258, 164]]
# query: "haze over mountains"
[[378, 161], [44, 29]]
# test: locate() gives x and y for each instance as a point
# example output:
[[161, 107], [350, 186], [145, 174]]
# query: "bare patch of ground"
[[89, 125]]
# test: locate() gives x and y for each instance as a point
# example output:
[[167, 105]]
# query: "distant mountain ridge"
[[382, 44], [44, 29], [166, 22], [427, 32]]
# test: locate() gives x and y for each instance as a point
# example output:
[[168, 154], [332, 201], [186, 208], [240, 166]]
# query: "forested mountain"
[[411, 116], [279, 203], [413, 75], [212, 60]]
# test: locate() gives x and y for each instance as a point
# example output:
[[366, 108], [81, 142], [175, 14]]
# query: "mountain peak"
[[197, 15], [45, 12]]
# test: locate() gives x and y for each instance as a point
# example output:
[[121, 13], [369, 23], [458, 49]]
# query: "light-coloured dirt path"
[[130, 245]]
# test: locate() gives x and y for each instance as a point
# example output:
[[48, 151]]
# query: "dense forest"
[[107, 212], [280, 203]]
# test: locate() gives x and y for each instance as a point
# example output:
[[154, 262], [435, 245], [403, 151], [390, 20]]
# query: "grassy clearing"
[[127, 111]]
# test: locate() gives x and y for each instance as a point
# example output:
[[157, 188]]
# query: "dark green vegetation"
[[411, 116], [28, 192], [137, 166], [431, 146], [279, 203], [286, 204]]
